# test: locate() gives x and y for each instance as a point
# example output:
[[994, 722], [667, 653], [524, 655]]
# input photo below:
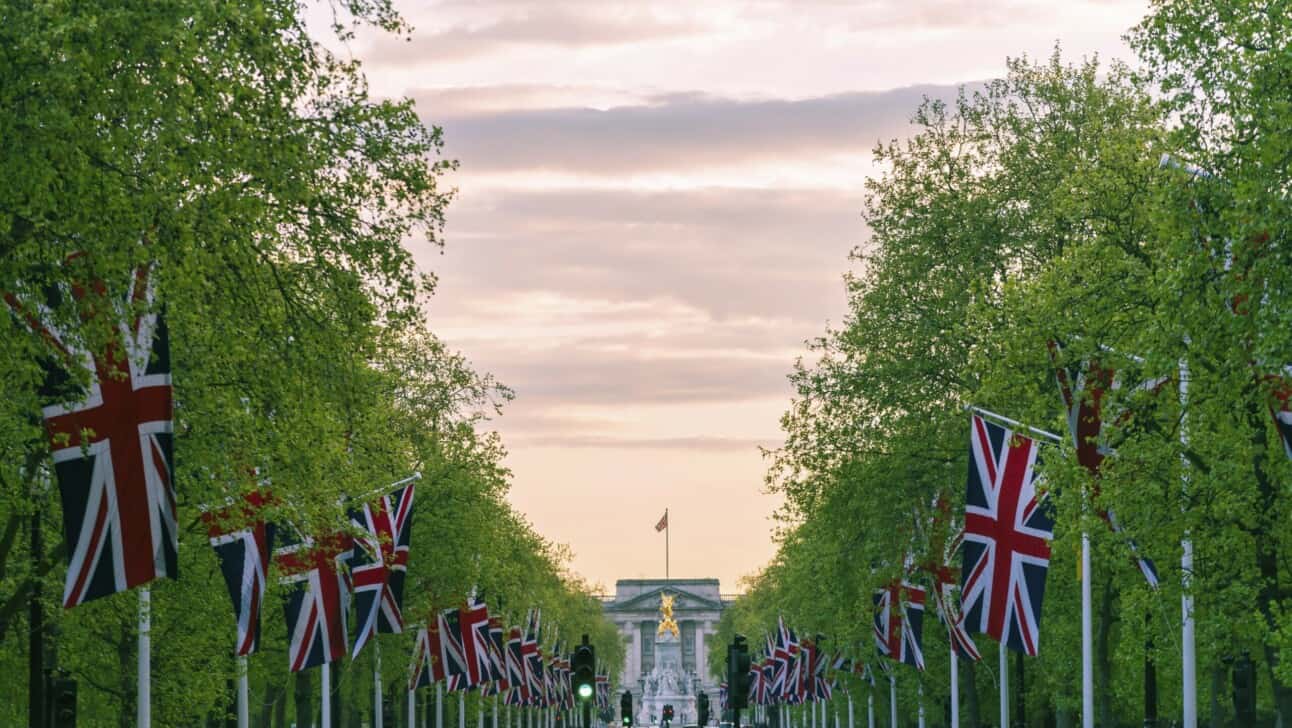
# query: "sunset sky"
[[655, 205]]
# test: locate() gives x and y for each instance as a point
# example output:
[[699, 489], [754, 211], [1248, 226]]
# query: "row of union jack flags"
[[467, 649], [322, 574]]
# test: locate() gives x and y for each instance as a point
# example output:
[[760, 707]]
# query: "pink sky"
[[655, 205]]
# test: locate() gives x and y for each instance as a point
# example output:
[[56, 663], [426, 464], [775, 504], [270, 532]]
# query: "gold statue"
[[666, 622]]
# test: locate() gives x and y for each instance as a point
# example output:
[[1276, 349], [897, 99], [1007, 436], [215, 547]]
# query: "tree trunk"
[[273, 696], [304, 699], [1103, 657], [1217, 687], [1267, 555]]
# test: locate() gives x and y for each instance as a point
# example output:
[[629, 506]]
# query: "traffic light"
[[702, 709], [738, 673], [668, 713], [584, 667], [626, 708]]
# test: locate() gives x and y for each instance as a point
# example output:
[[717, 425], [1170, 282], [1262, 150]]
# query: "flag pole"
[[144, 716], [325, 713], [1189, 668], [412, 708], [955, 687], [666, 529], [1004, 686], [376, 684], [244, 708], [1087, 639]]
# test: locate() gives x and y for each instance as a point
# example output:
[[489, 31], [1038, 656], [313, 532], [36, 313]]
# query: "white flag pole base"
[[144, 714], [325, 713], [244, 700]]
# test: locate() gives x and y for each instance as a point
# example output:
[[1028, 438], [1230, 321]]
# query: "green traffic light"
[[585, 691]]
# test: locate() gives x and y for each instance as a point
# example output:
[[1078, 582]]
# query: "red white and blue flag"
[[473, 621], [532, 660], [899, 623], [242, 541], [427, 668], [518, 693], [1083, 387], [380, 564], [1006, 549], [112, 440], [453, 655], [319, 599], [497, 655]]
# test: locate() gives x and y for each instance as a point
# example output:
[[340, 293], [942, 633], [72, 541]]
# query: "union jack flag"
[[603, 691], [427, 668], [899, 623], [1083, 387], [242, 539], [781, 657], [319, 600], [1006, 548], [452, 653], [381, 564], [532, 660], [111, 441], [515, 662], [497, 655], [945, 584], [722, 695], [473, 621]]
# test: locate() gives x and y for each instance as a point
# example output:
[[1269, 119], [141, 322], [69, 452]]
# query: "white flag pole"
[[919, 691], [1087, 639], [850, 723], [480, 709], [495, 711], [144, 715], [376, 685], [325, 719], [870, 708], [244, 709], [412, 708], [1189, 671], [462, 709], [955, 688], [439, 705], [1004, 686]]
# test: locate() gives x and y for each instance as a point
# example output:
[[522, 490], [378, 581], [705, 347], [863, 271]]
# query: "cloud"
[[676, 132], [552, 26], [774, 255]]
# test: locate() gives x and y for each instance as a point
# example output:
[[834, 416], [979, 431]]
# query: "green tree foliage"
[[1035, 210], [223, 144]]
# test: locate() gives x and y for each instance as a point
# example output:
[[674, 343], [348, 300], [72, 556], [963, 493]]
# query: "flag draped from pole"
[[1008, 527], [427, 668], [497, 655], [452, 653], [518, 693], [319, 600], [899, 623], [111, 441], [1083, 386], [380, 564], [473, 620], [532, 660], [242, 542], [663, 522]]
